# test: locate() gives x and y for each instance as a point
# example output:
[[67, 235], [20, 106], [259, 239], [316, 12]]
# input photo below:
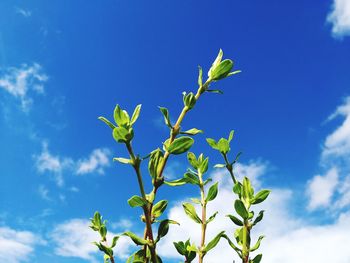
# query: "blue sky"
[[63, 64]]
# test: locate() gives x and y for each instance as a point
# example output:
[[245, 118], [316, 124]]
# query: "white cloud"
[[74, 239], [17, 246], [43, 192], [96, 162], [123, 223], [20, 81], [333, 187], [58, 165], [339, 17], [321, 189], [337, 144], [289, 238], [23, 12], [46, 162]]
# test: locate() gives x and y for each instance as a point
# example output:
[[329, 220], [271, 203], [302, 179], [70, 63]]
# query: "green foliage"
[[245, 199], [181, 141]]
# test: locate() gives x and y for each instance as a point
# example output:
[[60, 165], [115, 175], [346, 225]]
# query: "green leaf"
[[239, 235], [257, 244], [237, 188], [191, 212], [248, 191], [207, 181], [137, 257], [177, 182], [213, 242], [215, 91], [203, 167], [155, 162], [235, 220], [180, 247], [239, 251], [97, 219], [196, 201], [103, 231], [212, 193], [121, 117], [215, 63], [192, 248], [192, 131], [180, 145], [114, 241], [192, 159], [191, 178], [191, 252], [136, 239], [260, 197], [165, 113], [241, 209], [200, 76], [259, 217], [111, 125], [136, 201], [237, 157], [164, 228], [234, 73], [223, 146], [219, 165], [120, 134], [251, 215], [122, 160], [211, 218], [212, 143], [189, 100], [136, 114], [230, 137], [104, 248], [222, 70], [158, 208], [257, 259]]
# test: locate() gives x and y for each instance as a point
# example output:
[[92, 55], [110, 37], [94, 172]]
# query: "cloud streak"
[[55, 165], [21, 81]]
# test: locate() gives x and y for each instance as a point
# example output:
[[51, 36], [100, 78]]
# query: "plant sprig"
[[242, 205], [179, 142]]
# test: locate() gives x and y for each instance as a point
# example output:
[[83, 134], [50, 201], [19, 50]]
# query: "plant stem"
[[175, 131], [204, 217], [146, 208], [176, 128], [245, 242], [229, 168], [136, 164]]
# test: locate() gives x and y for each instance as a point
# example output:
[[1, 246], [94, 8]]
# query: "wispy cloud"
[[23, 12], [331, 190], [56, 165], [74, 238], [46, 162], [17, 246], [339, 17], [43, 192], [96, 162], [19, 82], [337, 144]]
